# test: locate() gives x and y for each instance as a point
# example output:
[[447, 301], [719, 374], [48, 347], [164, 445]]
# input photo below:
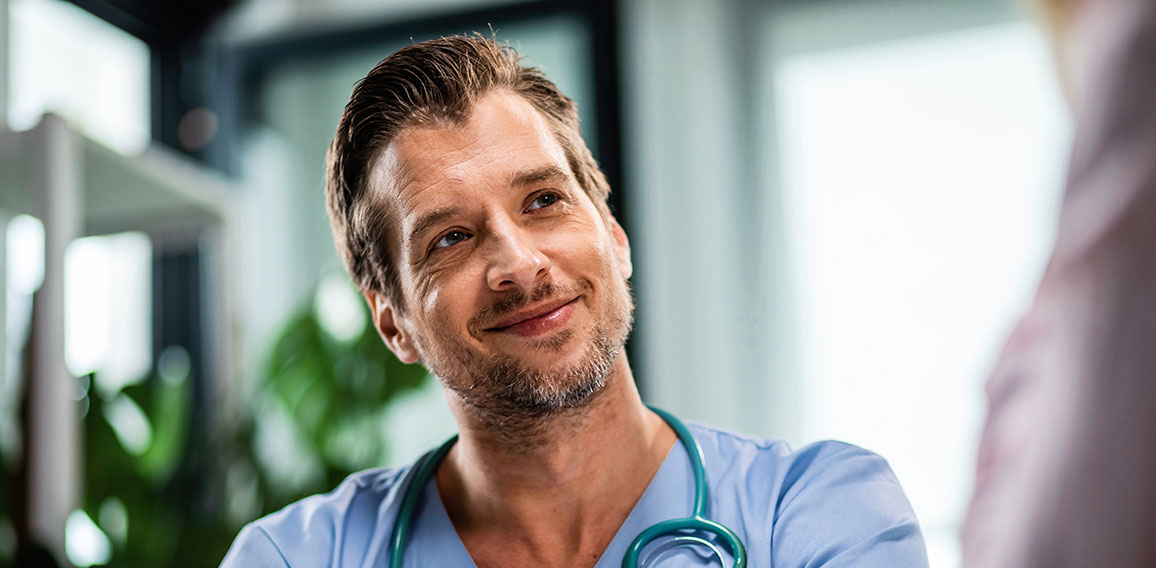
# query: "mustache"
[[520, 299]]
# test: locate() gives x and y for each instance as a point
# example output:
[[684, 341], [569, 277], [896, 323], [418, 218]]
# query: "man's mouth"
[[536, 320]]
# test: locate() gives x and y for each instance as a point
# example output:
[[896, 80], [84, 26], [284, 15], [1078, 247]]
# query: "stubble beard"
[[518, 401]]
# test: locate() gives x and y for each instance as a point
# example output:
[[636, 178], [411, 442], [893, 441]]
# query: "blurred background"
[[837, 210]]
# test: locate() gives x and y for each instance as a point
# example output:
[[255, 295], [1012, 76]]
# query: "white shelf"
[[155, 192], [79, 188]]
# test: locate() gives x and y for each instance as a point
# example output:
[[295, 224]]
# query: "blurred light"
[[83, 394], [25, 254], [283, 451], [114, 520], [414, 421], [108, 309], [348, 446], [920, 182], [68, 61], [173, 365], [197, 128], [130, 424], [83, 386], [242, 492], [24, 260], [84, 543], [339, 308]]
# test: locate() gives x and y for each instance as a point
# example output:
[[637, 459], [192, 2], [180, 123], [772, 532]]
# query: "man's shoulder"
[[317, 525], [368, 488], [827, 500], [730, 444], [783, 473]]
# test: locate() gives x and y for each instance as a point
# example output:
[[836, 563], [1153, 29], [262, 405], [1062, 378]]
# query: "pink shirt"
[[1067, 465]]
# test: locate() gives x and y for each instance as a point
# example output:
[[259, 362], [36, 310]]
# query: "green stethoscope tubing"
[[696, 522], [421, 477]]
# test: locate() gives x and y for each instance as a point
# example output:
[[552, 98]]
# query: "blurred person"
[[1067, 466], [474, 219]]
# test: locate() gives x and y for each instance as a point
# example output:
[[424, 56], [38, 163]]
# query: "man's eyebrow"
[[429, 220], [537, 175], [528, 177]]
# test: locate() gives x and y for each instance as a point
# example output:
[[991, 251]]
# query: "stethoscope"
[[696, 522]]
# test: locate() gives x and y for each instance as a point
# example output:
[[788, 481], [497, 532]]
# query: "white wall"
[[839, 209], [696, 215]]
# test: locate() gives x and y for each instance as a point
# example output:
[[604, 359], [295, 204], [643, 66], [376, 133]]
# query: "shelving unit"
[[78, 188]]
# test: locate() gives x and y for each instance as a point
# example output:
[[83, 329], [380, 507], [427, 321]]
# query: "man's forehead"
[[503, 138]]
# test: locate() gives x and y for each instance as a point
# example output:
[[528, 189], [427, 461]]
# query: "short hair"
[[435, 82]]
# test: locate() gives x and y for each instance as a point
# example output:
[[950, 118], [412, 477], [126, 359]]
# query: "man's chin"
[[522, 380], [549, 401], [552, 383]]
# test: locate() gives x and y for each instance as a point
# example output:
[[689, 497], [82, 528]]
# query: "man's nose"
[[515, 260]]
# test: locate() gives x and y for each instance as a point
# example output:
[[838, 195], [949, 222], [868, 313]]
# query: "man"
[[1067, 469], [473, 217]]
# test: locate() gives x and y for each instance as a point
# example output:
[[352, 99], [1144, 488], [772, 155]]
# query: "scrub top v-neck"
[[434, 542], [828, 504]]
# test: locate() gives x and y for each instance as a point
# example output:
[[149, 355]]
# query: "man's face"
[[514, 285]]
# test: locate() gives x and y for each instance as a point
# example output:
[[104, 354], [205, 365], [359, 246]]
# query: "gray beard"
[[519, 403], [509, 389]]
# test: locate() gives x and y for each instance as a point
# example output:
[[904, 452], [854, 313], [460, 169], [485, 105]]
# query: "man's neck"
[[560, 500]]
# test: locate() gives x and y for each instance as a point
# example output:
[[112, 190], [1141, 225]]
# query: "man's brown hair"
[[430, 83]]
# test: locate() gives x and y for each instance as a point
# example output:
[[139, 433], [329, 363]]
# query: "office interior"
[[837, 209]]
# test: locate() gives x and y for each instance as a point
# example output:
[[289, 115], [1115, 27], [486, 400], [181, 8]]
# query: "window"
[[67, 61], [920, 181]]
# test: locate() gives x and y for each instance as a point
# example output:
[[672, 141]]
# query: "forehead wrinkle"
[[400, 166], [386, 169], [389, 178], [386, 172], [469, 139]]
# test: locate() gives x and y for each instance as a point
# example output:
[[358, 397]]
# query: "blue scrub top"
[[829, 504]]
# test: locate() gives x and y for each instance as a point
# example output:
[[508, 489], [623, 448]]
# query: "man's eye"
[[543, 201], [450, 239]]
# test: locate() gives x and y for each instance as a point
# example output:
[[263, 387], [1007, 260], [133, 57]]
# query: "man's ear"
[[392, 328], [622, 246]]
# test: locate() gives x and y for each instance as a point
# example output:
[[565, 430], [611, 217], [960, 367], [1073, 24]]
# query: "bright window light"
[[339, 307], [108, 309], [67, 61], [114, 520], [921, 181], [130, 424], [84, 543], [25, 253], [24, 273]]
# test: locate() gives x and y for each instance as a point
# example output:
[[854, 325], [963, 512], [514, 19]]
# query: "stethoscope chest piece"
[[683, 530]]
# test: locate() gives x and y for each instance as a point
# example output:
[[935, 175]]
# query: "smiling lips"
[[537, 320]]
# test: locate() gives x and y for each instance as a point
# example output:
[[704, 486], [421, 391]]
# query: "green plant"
[[335, 391], [327, 393]]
